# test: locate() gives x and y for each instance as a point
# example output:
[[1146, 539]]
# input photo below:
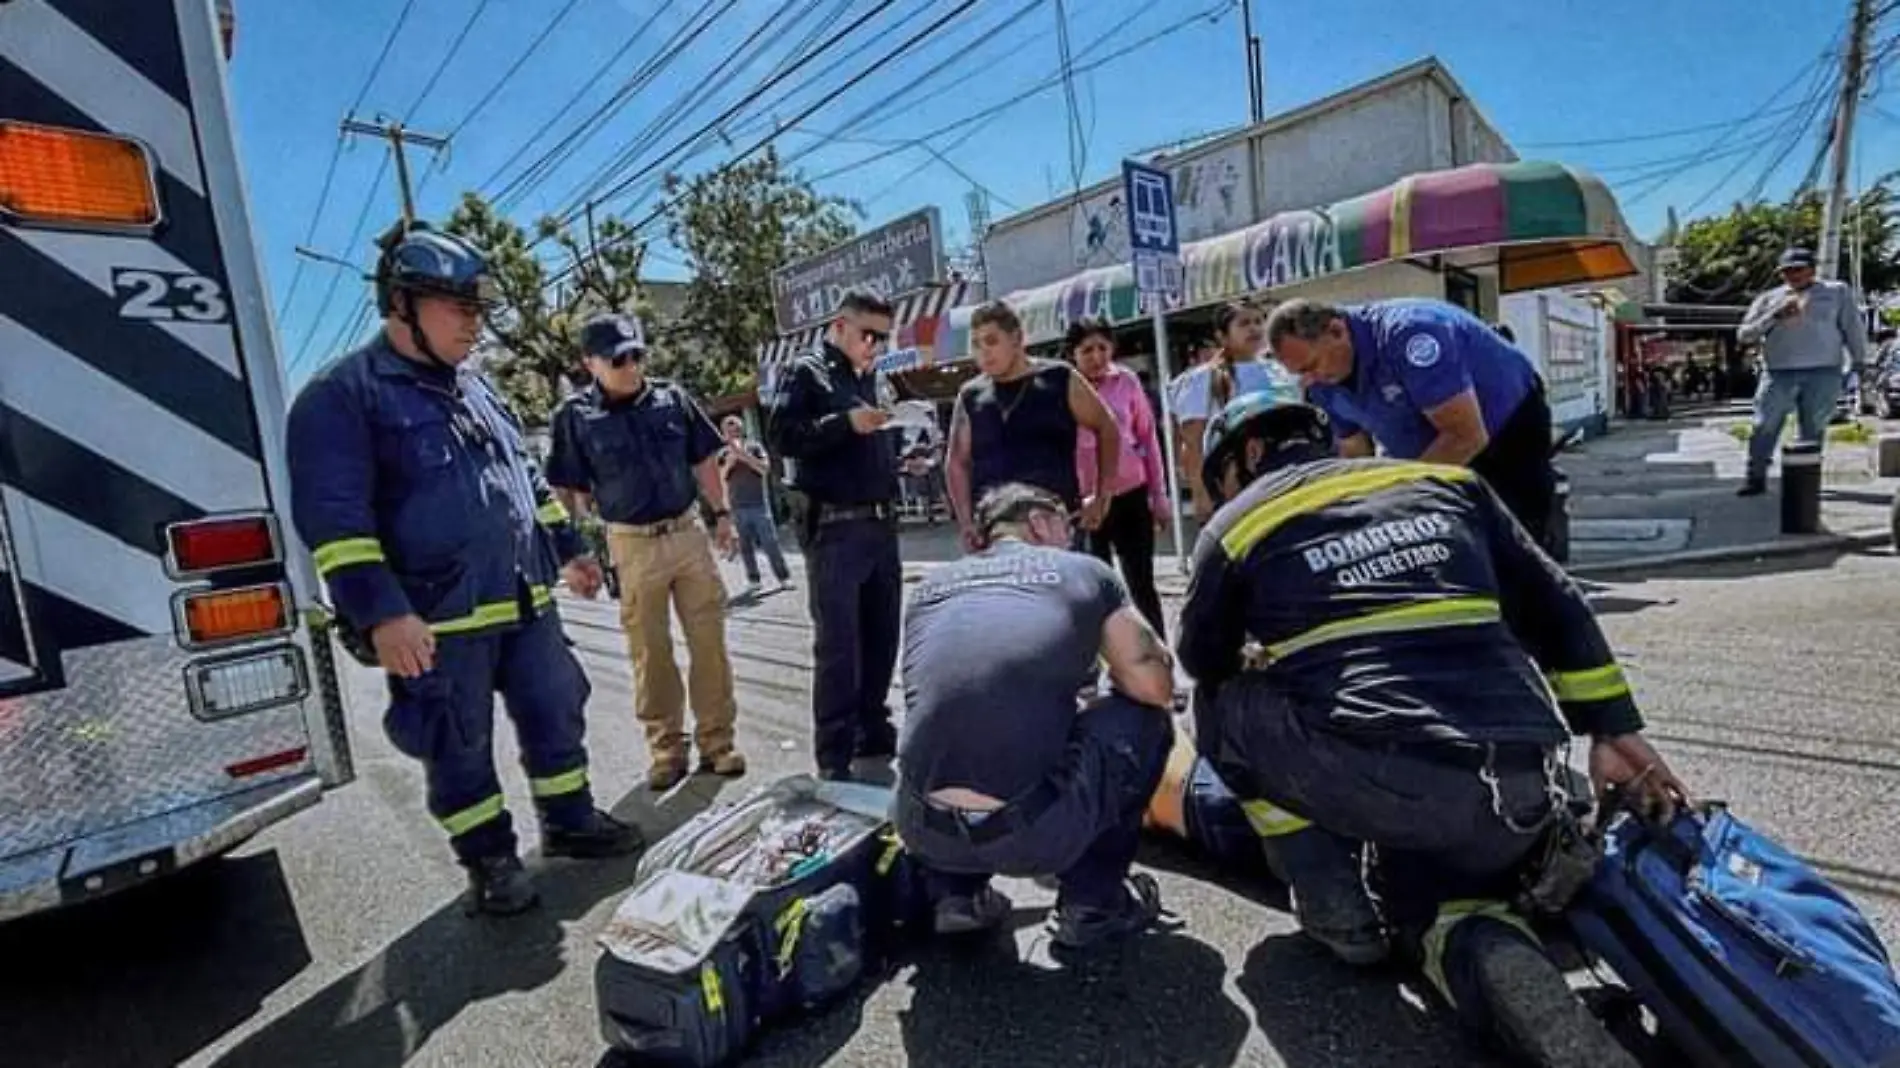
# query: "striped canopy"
[[1541, 225]]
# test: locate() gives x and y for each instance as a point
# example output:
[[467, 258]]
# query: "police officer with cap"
[[1376, 644], [643, 450], [826, 418], [1426, 380], [411, 484]]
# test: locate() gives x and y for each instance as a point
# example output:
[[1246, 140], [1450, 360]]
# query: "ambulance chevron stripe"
[[129, 421]]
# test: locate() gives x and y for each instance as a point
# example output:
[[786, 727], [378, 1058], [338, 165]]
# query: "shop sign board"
[[892, 260]]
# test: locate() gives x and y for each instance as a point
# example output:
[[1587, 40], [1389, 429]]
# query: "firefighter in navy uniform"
[[411, 485], [1376, 645]]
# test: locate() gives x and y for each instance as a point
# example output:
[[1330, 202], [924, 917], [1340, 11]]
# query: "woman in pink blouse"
[[1138, 501]]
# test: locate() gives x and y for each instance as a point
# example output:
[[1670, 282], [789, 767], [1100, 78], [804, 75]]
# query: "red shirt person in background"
[[1138, 499]]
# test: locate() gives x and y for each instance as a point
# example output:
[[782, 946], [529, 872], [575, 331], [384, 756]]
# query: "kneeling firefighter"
[[1377, 645]]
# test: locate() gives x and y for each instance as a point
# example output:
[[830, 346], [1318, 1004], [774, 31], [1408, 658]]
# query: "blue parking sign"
[[1149, 194]]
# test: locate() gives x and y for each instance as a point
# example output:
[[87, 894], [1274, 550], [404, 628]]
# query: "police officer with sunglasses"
[[826, 417]]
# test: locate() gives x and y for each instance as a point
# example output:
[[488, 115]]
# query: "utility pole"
[[398, 137], [1256, 87], [1829, 254]]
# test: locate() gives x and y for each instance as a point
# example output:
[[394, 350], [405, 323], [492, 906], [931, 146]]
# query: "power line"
[[515, 68], [759, 91], [550, 161], [669, 118], [336, 154], [1207, 14], [591, 80], [893, 54], [912, 84], [449, 56], [1708, 151], [1663, 135]]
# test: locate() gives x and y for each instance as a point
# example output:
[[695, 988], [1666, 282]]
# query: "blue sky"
[[1553, 76]]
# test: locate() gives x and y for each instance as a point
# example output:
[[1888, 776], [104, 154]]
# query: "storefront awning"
[[914, 328], [1537, 225]]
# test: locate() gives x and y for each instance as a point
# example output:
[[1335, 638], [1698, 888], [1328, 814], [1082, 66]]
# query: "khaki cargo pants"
[[664, 565]]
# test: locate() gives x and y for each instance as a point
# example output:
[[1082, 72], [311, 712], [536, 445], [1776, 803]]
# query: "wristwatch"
[[720, 513]]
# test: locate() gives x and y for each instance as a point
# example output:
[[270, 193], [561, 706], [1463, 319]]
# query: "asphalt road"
[[337, 938]]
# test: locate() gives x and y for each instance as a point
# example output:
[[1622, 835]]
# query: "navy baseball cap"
[[613, 334], [1796, 257]]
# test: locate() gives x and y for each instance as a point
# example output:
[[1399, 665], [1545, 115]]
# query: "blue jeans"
[[1087, 837], [757, 531], [1809, 393]]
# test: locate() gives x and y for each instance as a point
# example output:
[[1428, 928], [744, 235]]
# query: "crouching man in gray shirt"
[[1803, 326], [1002, 771]]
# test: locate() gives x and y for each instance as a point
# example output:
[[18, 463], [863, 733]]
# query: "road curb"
[[1796, 545]]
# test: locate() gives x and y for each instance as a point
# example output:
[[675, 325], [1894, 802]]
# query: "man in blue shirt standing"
[[644, 452], [1425, 380]]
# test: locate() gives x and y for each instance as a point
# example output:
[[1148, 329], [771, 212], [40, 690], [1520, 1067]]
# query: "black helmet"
[[426, 261], [1279, 418]]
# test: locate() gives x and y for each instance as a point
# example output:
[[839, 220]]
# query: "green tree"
[[538, 324], [1727, 259], [736, 226]]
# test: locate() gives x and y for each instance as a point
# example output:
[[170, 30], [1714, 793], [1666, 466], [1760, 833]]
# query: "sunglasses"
[[622, 360]]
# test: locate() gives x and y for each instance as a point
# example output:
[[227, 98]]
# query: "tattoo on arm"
[[1152, 650]]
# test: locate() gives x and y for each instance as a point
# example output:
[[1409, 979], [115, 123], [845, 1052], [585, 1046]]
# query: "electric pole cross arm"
[[398, 136]]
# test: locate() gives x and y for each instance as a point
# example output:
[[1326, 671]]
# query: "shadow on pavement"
[[1157, 1002], [1613, 605], [1318, 1013], [151, 976], [381, 1014], [1254, 882]]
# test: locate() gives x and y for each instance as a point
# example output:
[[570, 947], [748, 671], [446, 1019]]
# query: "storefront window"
[[1461, 288]]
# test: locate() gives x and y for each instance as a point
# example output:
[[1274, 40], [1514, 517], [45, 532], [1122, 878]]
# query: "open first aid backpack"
[[1748, 957], [751, 912]]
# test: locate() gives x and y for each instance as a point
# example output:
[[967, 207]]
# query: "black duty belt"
[[846, 513], [980, 828]]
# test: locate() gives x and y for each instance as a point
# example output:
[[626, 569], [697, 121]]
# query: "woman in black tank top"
[[1017, 422]]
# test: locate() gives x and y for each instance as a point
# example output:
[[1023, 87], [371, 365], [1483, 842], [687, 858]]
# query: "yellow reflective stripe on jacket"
[[1596, 684], [1269, 820], [345, 552], [1451, 914], [555, 785], [551, 513], [1276, 512], [459, 823], [493, 614], [1421, 615]]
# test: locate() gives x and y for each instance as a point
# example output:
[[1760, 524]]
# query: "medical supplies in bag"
[[1747, 956], [750, 912]]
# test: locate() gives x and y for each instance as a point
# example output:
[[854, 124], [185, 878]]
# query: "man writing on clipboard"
[[826, 417]]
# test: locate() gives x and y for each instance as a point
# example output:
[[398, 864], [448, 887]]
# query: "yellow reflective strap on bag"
[[789, 924], [893, 848], [713, 990]]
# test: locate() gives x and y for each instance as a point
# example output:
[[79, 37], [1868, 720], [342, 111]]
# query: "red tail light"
[[206, 545]]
